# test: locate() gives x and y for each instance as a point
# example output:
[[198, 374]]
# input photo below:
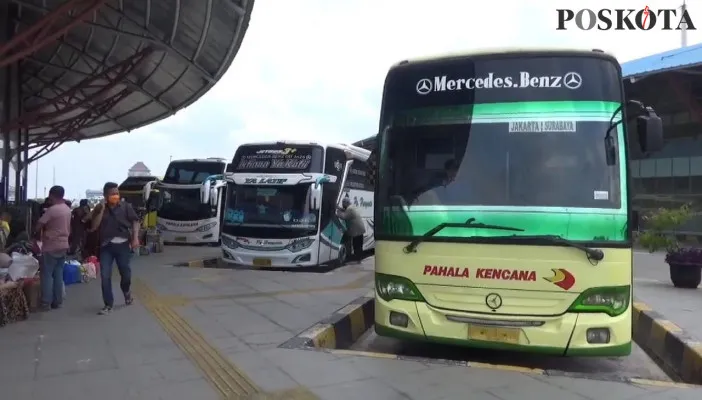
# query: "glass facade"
[[672, 176]]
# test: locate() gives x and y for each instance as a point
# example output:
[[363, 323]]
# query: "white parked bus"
[[281, 201], [181, 216]]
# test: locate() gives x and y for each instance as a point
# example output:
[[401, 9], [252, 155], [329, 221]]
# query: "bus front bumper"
[[565, 334], [174, 237], [269, 259]]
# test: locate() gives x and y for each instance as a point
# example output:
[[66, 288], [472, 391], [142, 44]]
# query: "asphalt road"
[[637, 365]]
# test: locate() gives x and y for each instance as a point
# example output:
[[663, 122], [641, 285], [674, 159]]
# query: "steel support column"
[[6, 114], [25, 159], [16, 134]]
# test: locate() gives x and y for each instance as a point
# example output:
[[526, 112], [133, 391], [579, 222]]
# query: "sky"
[[314, 70]]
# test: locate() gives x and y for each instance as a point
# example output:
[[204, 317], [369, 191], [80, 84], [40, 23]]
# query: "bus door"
[[331, 229]]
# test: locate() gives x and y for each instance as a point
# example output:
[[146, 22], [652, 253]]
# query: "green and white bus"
[[502, 203]]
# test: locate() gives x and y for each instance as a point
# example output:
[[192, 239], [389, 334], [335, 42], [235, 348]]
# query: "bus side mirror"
[[650, 130], [316, 196], [634, 220], [213, 197], [205, 191], [147, 191]]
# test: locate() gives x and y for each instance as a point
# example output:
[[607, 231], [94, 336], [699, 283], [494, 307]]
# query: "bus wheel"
[[341, 259]]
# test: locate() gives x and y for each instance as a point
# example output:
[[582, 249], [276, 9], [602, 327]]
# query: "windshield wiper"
[[592, 254], [470, 223]]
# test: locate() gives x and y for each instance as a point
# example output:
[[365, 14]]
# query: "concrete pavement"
[[215, 334], [652, 286]]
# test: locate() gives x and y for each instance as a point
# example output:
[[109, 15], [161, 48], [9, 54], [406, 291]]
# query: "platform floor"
[[214, 334], [652, 286]]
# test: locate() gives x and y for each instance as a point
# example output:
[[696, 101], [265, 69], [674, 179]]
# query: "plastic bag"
[[23, 266], [88, 271]]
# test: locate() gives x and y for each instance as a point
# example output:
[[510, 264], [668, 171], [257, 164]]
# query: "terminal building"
[[670, 82]]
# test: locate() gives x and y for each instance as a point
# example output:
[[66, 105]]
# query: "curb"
[[337, 333], [205, 263], [672, 348], [341, 329]]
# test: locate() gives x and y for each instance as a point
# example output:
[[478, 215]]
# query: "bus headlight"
[[229, 242], [390, 287], [161, 228], [613, 300], [300, 245]]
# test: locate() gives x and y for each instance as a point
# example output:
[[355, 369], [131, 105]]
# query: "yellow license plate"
[[493, 334], [180, 239], [262, 262]]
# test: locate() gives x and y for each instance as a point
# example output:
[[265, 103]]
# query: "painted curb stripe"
[[344, 327], [669, 344]]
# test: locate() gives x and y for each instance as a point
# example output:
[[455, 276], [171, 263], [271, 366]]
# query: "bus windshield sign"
[[271, 159]]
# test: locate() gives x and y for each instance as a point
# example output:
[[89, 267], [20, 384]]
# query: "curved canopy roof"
[[122, 64]]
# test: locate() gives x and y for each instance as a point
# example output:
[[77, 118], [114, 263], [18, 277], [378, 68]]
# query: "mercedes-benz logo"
[[424, 86], [494, 301], [572, 80]]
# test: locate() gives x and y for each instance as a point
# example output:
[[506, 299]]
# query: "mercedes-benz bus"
[[503, 201], [281, 203], [181, 217]]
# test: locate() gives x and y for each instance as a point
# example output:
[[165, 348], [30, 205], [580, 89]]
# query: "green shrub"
[[660, 221]]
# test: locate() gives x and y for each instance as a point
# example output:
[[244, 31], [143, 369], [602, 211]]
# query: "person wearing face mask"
[[118, 226]]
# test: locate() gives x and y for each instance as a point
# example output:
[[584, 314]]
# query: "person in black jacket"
[[118, 227]]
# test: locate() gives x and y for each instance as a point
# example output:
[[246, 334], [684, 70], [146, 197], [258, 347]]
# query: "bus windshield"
[[508, 143], [252, 211], [183, 205], [191, 172], [135, 199], [545, 162]]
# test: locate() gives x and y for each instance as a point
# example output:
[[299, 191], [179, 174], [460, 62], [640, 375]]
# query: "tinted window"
[[183, 205], [358, 177], [278, 159], [190, 172], [490, 164]]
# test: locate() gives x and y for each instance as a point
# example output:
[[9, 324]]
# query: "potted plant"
[[685, 263]]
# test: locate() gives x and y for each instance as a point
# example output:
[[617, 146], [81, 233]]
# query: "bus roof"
[[135, 183], [502, 51], [202, 160]]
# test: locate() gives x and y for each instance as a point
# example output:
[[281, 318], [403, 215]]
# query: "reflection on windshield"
[[537, 163], [271, 206], [544, 171], [183, 205]]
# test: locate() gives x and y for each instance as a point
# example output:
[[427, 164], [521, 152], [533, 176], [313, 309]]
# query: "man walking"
[[355, 227], [54, 226], [118, 226]]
